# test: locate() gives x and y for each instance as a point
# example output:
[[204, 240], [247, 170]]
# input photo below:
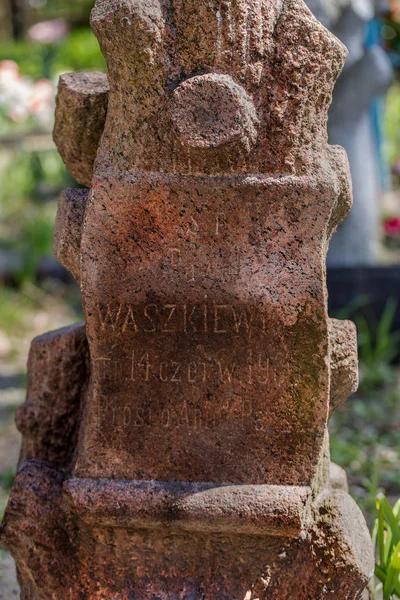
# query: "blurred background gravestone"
[[354, 124]]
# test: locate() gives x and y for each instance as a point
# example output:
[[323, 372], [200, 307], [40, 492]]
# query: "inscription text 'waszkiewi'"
[[182, 318]]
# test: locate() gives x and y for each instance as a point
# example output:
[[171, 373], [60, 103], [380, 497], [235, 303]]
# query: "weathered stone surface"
[[338, 478], [211, 361], [58, 371], [37, 534], [211, 110], [344, 361], [80, 117], [102, 561], [256, 510], [272, 49], [68, 229], [201, 466]]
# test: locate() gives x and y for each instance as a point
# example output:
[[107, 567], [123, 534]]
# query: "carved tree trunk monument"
[[175, 446]]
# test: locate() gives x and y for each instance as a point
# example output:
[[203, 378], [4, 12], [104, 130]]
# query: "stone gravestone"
[[175, 446], [367, 75]]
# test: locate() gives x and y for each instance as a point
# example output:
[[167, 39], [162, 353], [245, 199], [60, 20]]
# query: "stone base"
[[103, 539]]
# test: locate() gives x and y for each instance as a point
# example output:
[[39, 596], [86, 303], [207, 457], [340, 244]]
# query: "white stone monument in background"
[[367, 75]]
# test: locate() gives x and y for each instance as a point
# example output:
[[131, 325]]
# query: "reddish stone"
[[93, 554], [215, 299], [58, 370], [80, 117], [344, 365], [190, 460], [68, 229]]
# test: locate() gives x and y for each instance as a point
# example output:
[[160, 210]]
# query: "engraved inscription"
[[222, 270], [182, 318], [183, 416], [145, 366], [192, 225]]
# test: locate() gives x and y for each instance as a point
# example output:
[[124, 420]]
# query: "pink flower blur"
[[392, 227], [48, 32]]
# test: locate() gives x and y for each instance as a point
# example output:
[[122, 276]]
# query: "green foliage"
[[378, 349], [392, 123], [19, 183], [7, 126], [28, 175], [14, 307], [386, 538], [35, 240], [29, 56], [378, 345], [365, 441], [79, 9], [78, 52], [6, 481], [352, 308], [26, 221], [20, 306]]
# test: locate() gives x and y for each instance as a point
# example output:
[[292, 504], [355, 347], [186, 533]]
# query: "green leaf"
[[381, 534], [386, 322], [393, 573], [396, 509], [389, 546], [380, 574], [374, 533], [391, 520]]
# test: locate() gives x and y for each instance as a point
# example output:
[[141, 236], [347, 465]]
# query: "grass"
[[365, 440], [378, 348], [386, 539]]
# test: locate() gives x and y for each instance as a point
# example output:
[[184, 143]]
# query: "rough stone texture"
[[212, 362], [259, 510], [58, 370], [101, 561], [344, 361], [272, 49], [201, 468], [80, 117], [338, 478], [211, 110], [68, 228]]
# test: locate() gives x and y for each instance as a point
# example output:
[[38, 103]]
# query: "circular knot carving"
[[211, 110]]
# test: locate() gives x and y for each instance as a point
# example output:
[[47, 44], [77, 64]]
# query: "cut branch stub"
[[81, 112], [211, 110], [68, 229], [49, 419], [344, 361]]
